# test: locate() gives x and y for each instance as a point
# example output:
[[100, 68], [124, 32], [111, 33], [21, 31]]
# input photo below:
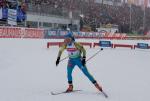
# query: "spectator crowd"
[[128, 18]]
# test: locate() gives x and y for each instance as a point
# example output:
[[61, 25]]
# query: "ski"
[[63, 92], [106, 96]]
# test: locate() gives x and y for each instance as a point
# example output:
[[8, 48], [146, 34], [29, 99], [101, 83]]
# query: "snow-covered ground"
[[28, 73]]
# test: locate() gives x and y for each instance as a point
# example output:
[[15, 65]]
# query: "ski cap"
[[69, 35]]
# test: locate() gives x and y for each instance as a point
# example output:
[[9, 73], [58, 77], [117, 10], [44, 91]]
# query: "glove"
[[57, 61], [83, 60]]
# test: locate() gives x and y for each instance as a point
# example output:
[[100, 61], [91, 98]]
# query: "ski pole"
[[94, 55], [106, 96], [87, 59], [63, 58]]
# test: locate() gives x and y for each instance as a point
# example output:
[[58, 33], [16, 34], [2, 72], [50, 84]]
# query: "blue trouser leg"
[[85, 71], [70, 68]]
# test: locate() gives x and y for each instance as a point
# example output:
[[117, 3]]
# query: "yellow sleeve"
[[62, 48], [81, 48]]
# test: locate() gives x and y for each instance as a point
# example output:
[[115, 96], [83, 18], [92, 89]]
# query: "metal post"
[[144, 19], [130, 17]]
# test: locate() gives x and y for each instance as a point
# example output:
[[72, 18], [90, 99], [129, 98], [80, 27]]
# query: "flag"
[[1, 15], [144, 6], [130, 2], [145, 3], [137, 2], [12, 17]]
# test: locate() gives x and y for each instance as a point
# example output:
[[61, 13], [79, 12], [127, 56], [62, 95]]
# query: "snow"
[[28, 72]]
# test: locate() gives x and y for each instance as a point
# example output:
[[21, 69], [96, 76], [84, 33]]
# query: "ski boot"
[[98, 87], [70, 88]]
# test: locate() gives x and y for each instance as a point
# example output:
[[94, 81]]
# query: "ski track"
[[28, 72]]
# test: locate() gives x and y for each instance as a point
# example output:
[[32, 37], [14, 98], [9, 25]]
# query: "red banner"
[[18, 32]]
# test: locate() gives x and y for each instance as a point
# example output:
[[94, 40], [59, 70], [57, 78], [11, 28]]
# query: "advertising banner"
[[20, 32], [12, 17], [1, 15]]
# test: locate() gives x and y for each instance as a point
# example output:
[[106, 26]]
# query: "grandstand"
[[60, 14]]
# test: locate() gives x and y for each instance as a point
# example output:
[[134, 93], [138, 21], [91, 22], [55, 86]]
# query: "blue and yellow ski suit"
[[75, 50]]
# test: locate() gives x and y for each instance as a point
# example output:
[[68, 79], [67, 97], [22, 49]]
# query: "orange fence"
[[93, 45], [54, 44], [117, 45], [60, 43], [86, 44], [123, 45]]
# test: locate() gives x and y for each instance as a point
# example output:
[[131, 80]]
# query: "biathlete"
[[77, 56]]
